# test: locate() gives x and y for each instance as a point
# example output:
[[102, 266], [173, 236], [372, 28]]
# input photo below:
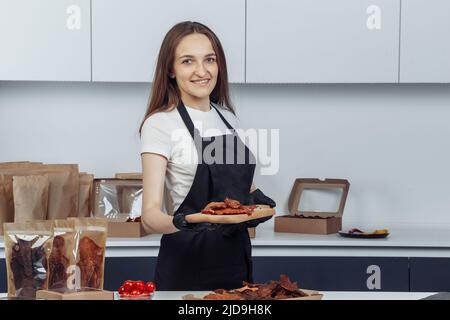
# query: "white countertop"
[[327, 295], [427, 242]]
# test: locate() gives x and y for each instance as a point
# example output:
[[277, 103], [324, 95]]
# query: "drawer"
[[337, 273], [430, 274]]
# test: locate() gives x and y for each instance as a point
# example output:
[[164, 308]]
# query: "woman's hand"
[[179, 220], [255, 197], [258, 197], [153, 174]]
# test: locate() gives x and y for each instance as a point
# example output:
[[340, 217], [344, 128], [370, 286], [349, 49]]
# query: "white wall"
[[390, 141]]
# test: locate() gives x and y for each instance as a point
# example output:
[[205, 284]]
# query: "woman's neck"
[[199, 104]]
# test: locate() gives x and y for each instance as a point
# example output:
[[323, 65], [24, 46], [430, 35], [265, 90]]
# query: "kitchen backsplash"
[[390, 141]]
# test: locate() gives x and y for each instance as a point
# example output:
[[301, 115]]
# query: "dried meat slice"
[[215, 205], [58, 264], [232, 203], [228, 207], [91, 263], [286, 283], [208, 211]]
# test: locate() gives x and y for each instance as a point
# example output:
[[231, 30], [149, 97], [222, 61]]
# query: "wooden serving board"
[[311, 295], [260, 211]]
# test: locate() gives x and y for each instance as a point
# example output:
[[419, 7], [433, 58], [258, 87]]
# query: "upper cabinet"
[[424, 52], [322, 41], [265, 41], [45, 40], [127, 34]]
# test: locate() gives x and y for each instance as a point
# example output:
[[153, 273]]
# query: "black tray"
[[362, 235]]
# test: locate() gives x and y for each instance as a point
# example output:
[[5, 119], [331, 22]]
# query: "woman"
[[189, 88]]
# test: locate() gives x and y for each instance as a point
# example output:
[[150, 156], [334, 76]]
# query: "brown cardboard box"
[[312, 222], [131, 175], [78, 295], [121, 229], [293, 224]]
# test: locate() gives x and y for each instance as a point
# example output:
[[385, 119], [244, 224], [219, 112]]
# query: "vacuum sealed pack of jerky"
[[90, 245], [27, 250], [62, 257]]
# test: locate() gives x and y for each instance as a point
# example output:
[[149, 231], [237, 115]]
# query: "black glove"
[[179, 221], [256, 197]]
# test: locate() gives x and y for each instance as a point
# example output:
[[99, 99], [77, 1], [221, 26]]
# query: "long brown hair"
[[165, 93]]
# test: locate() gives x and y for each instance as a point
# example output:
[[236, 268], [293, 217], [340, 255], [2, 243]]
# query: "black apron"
[[210, 259]]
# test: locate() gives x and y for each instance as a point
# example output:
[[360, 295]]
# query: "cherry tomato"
[[121, 290], [135, 292], [128, 286], [139, 285], [150, 287]]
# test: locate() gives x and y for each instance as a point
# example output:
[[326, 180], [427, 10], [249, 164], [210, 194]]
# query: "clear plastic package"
[[115, 197]]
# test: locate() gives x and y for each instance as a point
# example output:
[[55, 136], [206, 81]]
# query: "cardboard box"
[[121, 229], [312, 221], [293, 224], [131, 175], [77, 295]]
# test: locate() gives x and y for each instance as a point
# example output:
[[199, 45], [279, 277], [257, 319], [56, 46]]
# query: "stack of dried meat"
[[62, 255], [27, 248], [58, 264], [274, 290], [90, 260], [228, 207]]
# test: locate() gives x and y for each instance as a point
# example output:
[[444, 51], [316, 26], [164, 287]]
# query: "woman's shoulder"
[[164, 120], [230, 116]]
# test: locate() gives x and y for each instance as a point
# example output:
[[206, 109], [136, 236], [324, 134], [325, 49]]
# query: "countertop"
[[327, 295], [426, 242]]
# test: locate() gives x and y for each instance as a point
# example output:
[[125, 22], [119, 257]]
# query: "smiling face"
[[195, 69]]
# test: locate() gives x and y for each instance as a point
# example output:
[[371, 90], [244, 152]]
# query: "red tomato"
[[121, 290], [150, 287], [128, 285], [135, 292], [139, 285]]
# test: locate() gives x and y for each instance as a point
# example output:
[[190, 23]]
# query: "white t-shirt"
[[166, 134]]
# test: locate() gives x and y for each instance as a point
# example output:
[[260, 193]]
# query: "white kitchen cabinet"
[[45, 40], [424, 52], [127, 34], [322, 41]]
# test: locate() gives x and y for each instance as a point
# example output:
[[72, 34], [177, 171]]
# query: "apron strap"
[[190, 125], [223, 118], [186, 119]]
